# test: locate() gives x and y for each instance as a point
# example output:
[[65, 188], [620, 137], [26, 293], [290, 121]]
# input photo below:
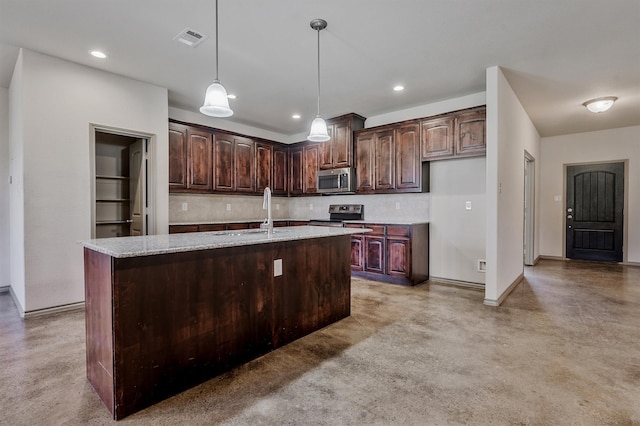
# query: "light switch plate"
[[185, 207], [467, 205], [277, 267], [228, 207]]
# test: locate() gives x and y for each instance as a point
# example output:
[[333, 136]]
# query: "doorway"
[[529, 209], [594, 212], [120, 184]]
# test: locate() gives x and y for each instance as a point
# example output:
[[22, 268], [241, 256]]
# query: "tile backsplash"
[[234, 208]]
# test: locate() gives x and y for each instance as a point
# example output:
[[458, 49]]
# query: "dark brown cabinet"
[[280, 171], [190, 159], [388, 160], [392, 253], [177, 157], [460, 134], [199, 160], [407, 161], [296, 171], [235, 163], [264, 164], [470, 133], [338, 151], [310, 161]]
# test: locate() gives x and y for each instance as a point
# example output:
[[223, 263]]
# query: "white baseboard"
[[439, 280], [54, 310], [503, 296]]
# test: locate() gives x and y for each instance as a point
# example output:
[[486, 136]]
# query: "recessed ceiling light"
[[231, 96], [296, 116], [398, 88], [98, 54]]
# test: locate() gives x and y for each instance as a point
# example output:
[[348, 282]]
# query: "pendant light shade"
[[318, 131], [216, 102]]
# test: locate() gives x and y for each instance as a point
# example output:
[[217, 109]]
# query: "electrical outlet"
[[185, 207], [277, 267], [310, 206], [467, 205], [557, 198], [277, 206], [482, 265], [228, 207], [397, 206]]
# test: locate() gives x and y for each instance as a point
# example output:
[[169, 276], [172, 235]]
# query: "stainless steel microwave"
[[336, 181]]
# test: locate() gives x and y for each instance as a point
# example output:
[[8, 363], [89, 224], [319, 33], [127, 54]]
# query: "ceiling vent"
[[190, 37]]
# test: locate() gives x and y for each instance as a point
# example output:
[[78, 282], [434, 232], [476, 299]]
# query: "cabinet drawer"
[[212, 227], [179, 229], [398, 230], [375, 229]]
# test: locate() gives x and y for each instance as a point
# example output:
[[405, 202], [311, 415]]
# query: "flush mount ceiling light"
[[398, 88], [318, 131], [216, 102], [600, 104], [98, 54]]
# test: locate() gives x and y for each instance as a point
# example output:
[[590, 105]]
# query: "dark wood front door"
[[594, 211]]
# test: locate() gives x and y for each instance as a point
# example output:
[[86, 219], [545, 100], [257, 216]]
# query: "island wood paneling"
[[182, 318]]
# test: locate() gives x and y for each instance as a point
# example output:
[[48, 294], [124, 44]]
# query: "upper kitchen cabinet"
[[177, 157], [311, 162], [234, 163], [296, 170], [388, 160], [470, 134], [280, 170], [190, 159], [264, 166], [459, 134], [338, 151]]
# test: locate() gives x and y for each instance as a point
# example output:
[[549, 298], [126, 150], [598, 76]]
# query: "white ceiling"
[[555, 53]]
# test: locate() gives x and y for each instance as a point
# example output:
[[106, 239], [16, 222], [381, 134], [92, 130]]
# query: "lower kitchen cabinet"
[[391, 253]]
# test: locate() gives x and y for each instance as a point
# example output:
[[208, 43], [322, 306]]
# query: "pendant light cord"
[[318, 72], [217, 40]]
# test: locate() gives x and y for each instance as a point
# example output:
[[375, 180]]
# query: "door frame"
[[151, 170], [625, 217], [529, 200]]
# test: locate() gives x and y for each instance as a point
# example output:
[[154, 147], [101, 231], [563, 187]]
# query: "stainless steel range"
[[338, 213]]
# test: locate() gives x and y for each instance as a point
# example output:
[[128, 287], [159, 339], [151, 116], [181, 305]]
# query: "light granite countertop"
[[174, 243], [377, 221]]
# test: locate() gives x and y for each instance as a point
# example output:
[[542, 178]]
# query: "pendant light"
[[216, 102], [318, 131]]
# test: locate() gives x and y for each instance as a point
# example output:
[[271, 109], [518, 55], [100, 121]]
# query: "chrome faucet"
[[266, 205]]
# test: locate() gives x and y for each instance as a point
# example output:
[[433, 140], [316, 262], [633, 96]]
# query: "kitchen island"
[[167, 312]]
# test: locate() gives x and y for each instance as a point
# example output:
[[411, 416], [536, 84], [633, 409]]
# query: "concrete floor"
[[563, 349]]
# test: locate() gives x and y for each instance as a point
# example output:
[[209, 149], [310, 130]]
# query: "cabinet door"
[[437, 138], [326, 150], [357, 255], [244, 166], [177, 157], [365, 149], [342, 141], [199, 160], [374, 254], [470, 134], [399, 257], [279, 174], [224, 154], [385, 160], [264, 171], [408, 164], [311, 158], [295, 175]]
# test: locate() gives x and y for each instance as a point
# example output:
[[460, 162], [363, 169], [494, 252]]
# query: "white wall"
[[591, 147], [457, 235], [510, 133], [4, 188], [16, 190], [60, 101]]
